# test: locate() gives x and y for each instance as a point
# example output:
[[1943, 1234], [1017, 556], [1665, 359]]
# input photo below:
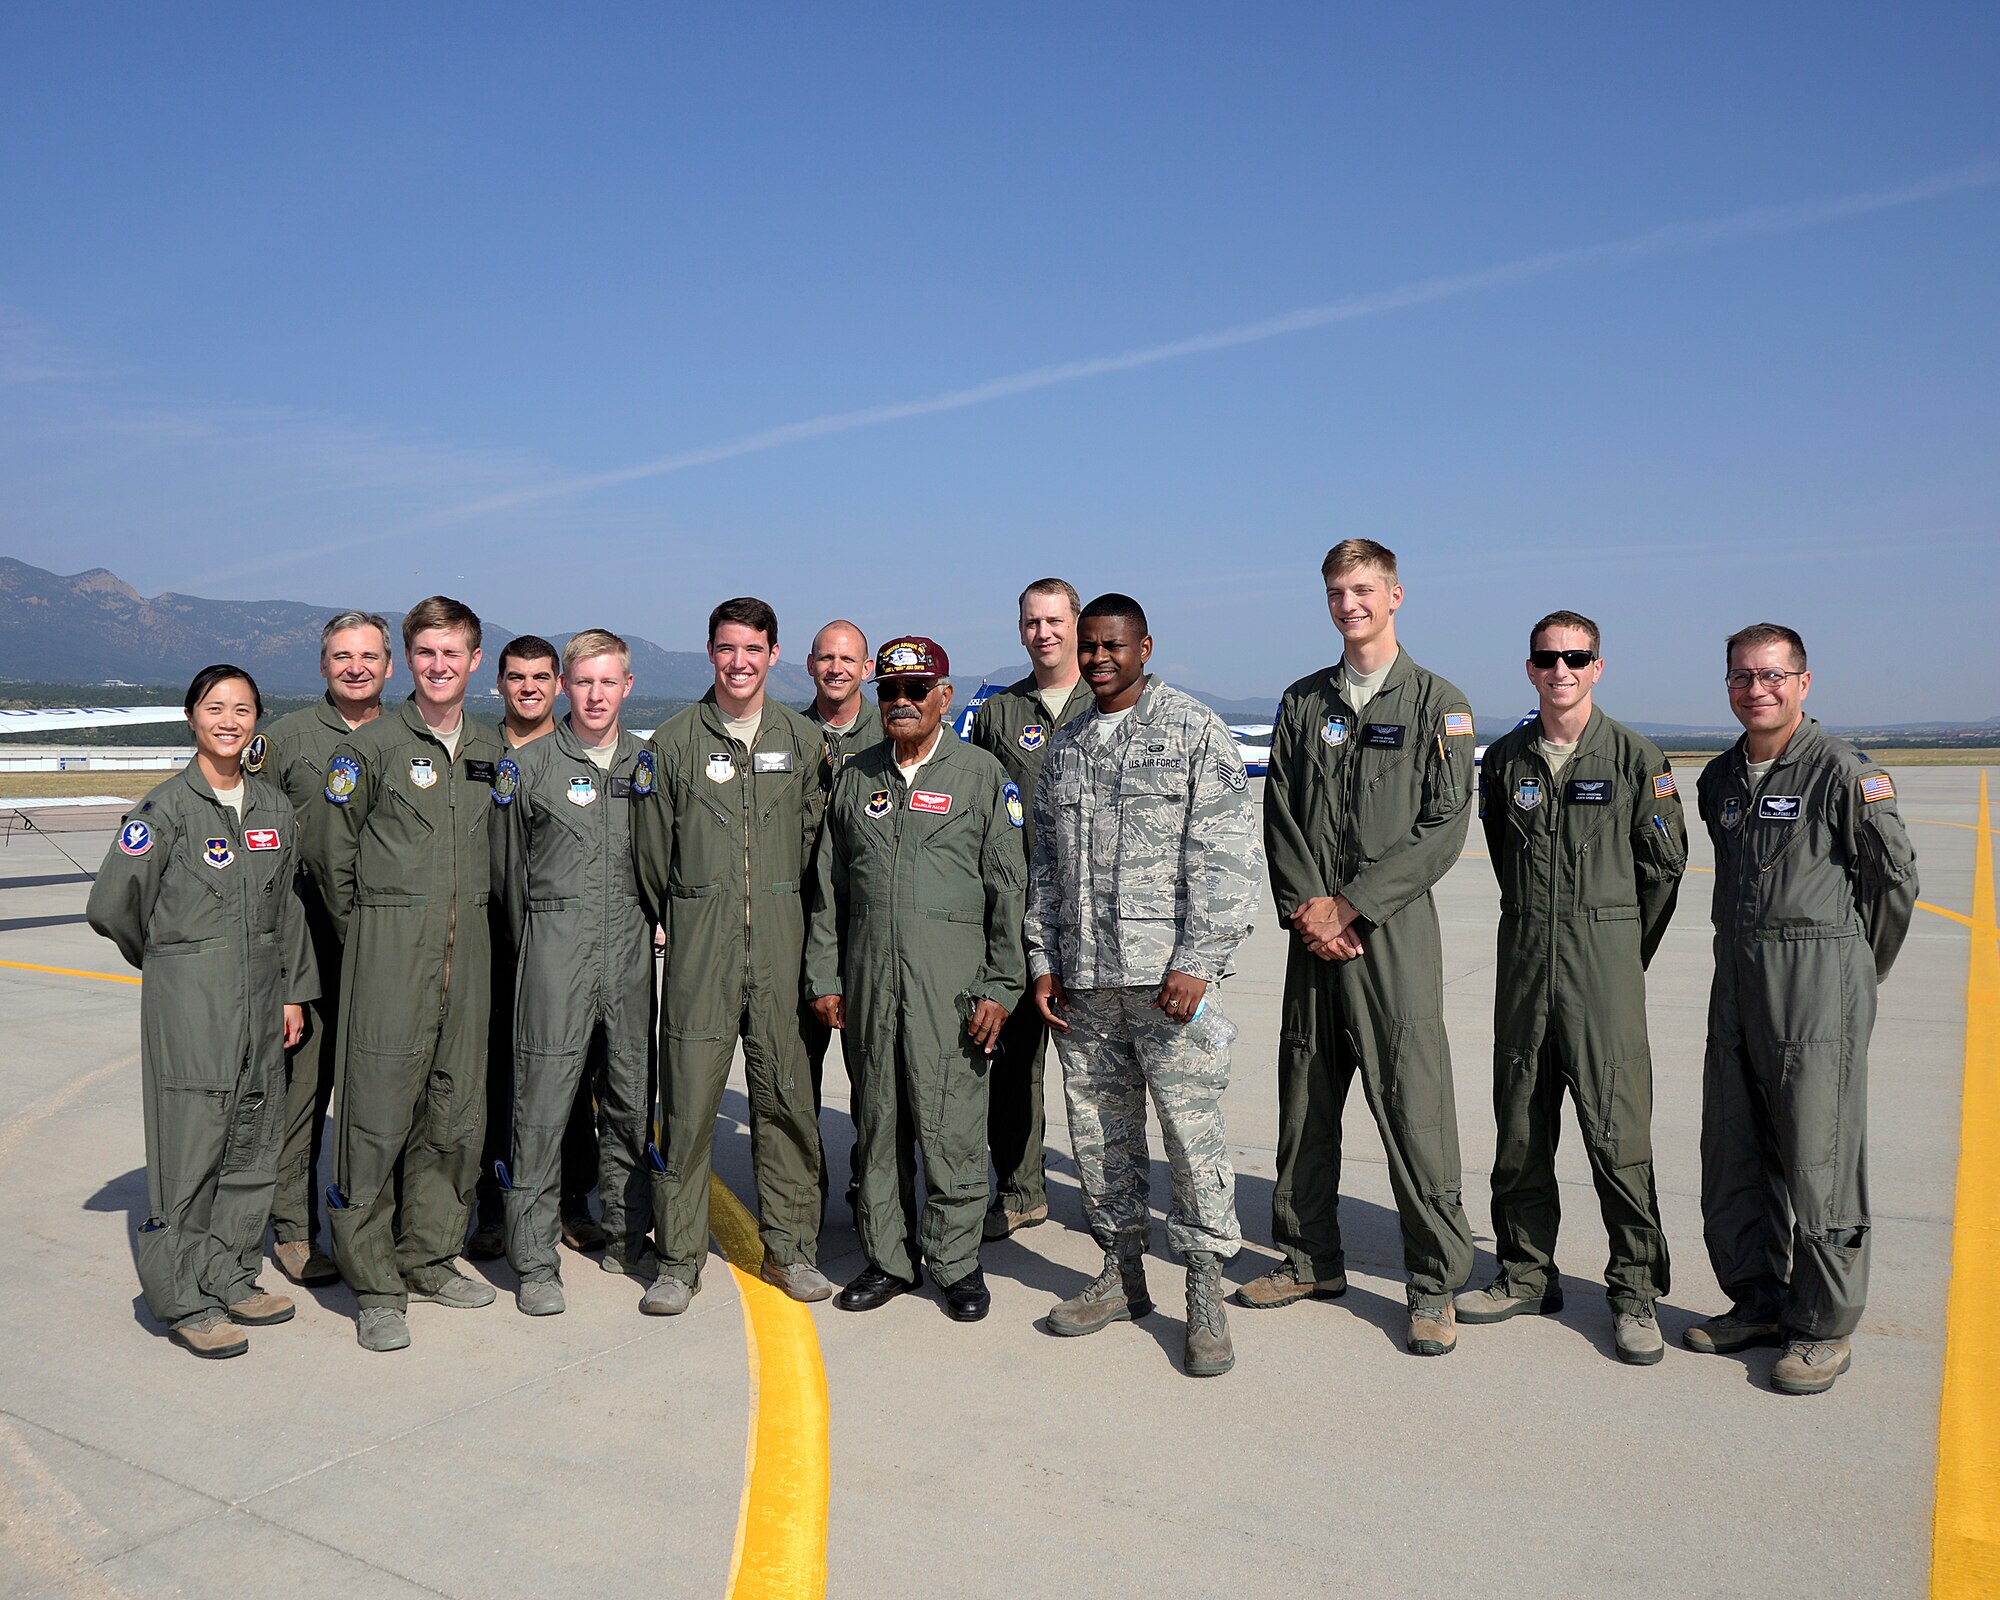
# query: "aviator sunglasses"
[[1575, 660], [904, 688]]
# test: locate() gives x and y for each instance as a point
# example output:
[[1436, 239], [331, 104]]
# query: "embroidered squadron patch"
[[1458, 722], [135, 838], [582, 792], [217, 854], [1032, 737], [342, 774], [260, 838], [506, 780], [720, 767], [931, 801], [878, 804], [642, 773], [1876, 786], [1335, 731], [1528, 793], [1664, 786], [422, 773], [1011, 794], [253, 755], [1731, 813]]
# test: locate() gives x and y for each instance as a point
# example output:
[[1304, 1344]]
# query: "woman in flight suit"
[[196, 892]]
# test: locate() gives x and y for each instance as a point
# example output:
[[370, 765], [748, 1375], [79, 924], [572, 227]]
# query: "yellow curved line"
[[72, 972], [781, 1525]]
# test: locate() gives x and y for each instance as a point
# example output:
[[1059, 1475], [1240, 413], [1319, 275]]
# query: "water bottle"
[[1209, 1029]]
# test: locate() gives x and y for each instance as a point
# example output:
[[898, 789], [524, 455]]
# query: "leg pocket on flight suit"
[[159, 1268], [1414, 1087], [247, 1134], [193, 1133], [1812, 1076], [1624, 1116]]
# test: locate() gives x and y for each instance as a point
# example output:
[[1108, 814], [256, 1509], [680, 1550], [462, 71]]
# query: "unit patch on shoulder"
[[582, 792], [1335, 731], [1458, 722], [260, 838], [253, 755], [217, 854], [1664, 786], [642, 774], [931, 801], [422, 773], [1528, 793], [135, 838], [1032, 736], [1781, 807], [721, 768], [342, 774], [1011, 795], [878, 804], [506, 780], [1876, 786]]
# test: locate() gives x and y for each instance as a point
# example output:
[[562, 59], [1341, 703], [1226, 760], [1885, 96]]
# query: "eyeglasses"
[[904, 688], [1575, 660], [1763, 677]]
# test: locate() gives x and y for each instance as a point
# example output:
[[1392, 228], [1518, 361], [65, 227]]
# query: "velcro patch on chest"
[[217, 854], [1781, 807], [260, 838], [1590, 791], [581, 792], [771, 761], [929, 800], [422, 773], [1528, 793], [343, 773], [1383, 735], [479, 771], [1032, 736], [1334, 731], [721, 768], [879, 804]]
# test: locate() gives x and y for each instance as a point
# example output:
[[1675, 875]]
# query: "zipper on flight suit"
[[451, 921]]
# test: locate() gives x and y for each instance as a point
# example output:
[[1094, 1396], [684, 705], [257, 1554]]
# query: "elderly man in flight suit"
[[1583, 825], [563, 872], [1145, 880], [1015, 726], [1815, 885], [1366, 807], [915, 954], [402, 854], [356, 659], [723, 845]]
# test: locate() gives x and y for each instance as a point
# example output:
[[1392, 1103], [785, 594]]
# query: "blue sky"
[[560, 312]]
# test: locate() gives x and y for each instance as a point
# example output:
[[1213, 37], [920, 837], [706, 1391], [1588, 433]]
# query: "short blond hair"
[[1352, 553], [1053, 588], [595, 642]]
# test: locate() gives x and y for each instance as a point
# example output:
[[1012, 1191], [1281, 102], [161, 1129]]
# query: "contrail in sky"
[[1675, 238]]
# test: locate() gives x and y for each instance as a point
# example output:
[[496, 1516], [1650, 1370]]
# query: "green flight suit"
[[563, 872], [401, 851], [1015, 728], [1815, 885], [916, 918], [1589, 862], [204, 907], [293, 753], [723, 846], [1374, 807], [841, 748]]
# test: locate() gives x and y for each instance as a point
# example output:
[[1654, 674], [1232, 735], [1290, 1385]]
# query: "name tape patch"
[[260, 838], [929, 800], [1589, 792], [1781, 807], [1383, 735]]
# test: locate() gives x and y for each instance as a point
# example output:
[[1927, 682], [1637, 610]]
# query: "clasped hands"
[[1327, 924]]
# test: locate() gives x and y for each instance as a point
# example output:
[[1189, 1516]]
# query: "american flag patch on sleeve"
[[1663, 785], [1458, 722], [1876, 786]]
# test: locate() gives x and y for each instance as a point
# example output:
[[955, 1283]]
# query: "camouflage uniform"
[[1146, 861]]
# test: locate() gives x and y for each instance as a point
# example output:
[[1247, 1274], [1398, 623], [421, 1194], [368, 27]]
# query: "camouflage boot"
[[1117, 1294], [1209, 1351]]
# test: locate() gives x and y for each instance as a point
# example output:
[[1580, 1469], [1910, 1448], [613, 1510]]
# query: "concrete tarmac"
[[601, 1452]]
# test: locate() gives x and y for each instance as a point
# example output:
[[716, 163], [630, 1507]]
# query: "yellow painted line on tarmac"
[[1939, 822], [781, 1525], [1965, 1529], [73, 972]]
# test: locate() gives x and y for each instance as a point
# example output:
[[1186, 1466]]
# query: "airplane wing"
[[1253, 744], [66, 719]]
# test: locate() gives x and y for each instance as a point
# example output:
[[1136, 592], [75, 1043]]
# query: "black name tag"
[[1383, 735], [480, 771], [1781, 807], [771, 761], [621, 788], [1590, 791]]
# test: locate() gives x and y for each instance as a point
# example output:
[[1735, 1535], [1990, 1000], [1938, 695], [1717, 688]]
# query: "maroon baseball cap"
[[912, 656]]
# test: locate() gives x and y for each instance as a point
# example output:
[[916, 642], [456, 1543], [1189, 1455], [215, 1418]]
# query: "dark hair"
[[1566, 619], [1121, 606], [526, 647], [440, 611], [750, 612], [209, 677], [1766, 633]]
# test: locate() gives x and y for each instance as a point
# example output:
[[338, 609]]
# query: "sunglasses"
[[904, 688], [1575, 660]]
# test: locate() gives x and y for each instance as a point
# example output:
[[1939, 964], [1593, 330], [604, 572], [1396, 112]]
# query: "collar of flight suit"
[[1401, 670], [1587, 741], [711, 716], [330, 717], [1805, 741], [939, 756], [254, 801], [414, 720], [570, 745], [1071, 710]]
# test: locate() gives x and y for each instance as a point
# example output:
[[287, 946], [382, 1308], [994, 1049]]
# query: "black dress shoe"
[[968, 1299], [872, 1288]]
